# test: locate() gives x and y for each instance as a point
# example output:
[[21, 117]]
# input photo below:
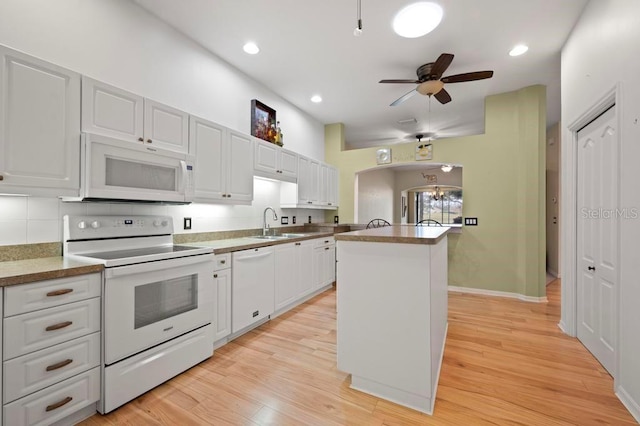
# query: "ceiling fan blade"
[[440, 66], [470, 76], [399, 81], [443, 97], [404, 97]]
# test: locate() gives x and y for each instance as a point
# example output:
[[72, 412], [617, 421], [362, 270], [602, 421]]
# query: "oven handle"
[[158, 266]]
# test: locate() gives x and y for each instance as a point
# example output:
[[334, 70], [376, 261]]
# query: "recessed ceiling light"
[[251, 48], [417, 19], [519, 50], [316, 99]]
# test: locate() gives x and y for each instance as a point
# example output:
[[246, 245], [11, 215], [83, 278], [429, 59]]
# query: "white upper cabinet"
[[166, 127], [110, 111], [224, 163], [316, 187], [39, 127], [274, 162]]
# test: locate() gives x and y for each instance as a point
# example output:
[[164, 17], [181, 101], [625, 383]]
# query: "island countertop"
[[399, 234]]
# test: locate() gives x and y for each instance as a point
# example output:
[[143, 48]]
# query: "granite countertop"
[[246, 243], [46, 268], [397, 234]]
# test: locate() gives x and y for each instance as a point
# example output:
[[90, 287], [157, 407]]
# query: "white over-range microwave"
[[116, 170]]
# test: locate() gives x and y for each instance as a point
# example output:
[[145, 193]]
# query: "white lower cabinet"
[[222, 281], [51, 350], [294, 272], [324, 262], [253, 286]]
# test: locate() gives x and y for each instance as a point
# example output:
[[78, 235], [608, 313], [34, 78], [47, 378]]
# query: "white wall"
[[602, 51], [28, 220], [120, 43], [375, 195]]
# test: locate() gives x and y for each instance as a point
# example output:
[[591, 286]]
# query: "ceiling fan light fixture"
[[430, 87], [446, 168], [417, 19], [518, 50], [251, 48]]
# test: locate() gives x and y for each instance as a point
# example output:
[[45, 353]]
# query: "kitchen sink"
[[293, 235]]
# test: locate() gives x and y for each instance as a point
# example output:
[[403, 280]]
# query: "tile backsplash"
[[29, 220]]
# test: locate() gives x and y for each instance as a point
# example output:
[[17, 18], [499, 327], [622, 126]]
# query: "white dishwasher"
[[253, 283]]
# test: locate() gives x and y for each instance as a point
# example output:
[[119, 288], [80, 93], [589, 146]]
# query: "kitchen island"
[[392, 311]]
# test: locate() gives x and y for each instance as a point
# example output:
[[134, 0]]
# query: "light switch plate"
[[284, 220]]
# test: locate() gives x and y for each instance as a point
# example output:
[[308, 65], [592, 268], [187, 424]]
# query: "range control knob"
[[158, 223], [82, 224], [95, 224]]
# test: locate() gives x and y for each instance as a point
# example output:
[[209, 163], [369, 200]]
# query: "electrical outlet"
[[187, 223], [284, 220], [471, 221], [309, 219], [293, 220]]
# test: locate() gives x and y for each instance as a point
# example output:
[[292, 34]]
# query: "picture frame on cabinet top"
[[263, 121]]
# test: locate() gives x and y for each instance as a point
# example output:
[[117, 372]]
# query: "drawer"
[[36, 330], [322, 242], [19, 299], [55, 402], [222, 261], [37, 370]]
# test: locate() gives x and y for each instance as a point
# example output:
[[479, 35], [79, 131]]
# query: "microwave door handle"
[[183, 176]]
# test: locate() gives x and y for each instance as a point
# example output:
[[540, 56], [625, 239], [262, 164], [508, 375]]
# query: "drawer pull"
[[326, 241], [59, 326], [59, 364], [59, 404], [215, 275], [326, 248], [223, 262], [59, 292]]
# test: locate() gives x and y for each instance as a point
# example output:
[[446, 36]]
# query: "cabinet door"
[[39, 126], [304, 180], [333, 187], [288, 164], [222, 326], [208, 140], [305, 260], [314, 179], [286, 274], [240, 170], [266, 157], [109, 111], [166, 127], [329, 264], [323, 184], [318, 268]]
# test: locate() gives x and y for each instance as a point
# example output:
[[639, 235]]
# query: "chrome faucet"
[[265, 225]]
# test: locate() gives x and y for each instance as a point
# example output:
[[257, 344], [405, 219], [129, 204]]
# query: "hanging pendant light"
[[358, 31]]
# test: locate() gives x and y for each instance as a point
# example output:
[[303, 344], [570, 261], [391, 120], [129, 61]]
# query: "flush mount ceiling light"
[[417, 19], [430, 87], [251, 48], [316, 99], [519, 50], [446, 168]]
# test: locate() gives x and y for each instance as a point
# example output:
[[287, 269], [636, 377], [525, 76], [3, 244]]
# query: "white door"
[[109, 111], [289, 164], [166, 127], [222, 325], [207, 141], [39, 126], [266, 157], [597, 238], [240, 170]]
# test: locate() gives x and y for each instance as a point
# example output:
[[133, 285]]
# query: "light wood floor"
[[506, 363]]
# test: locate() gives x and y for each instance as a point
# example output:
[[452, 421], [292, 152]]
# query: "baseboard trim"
[[554, 273], [629, 403], [496, 293]]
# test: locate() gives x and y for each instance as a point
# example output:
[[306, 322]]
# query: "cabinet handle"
[[223, 262], [309, 202], [59, 364], [149, 141], [326, 248], [215, 275], [228, 195], [591, 268], [59, 292], [297, 244], [140, 139], [58, 404], [59, 326], [326, 241], [1, 177]]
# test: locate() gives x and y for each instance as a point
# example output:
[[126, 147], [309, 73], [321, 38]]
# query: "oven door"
[[120, 170], [149, 303]]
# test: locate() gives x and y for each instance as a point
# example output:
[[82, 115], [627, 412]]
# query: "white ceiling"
[[308, 47]]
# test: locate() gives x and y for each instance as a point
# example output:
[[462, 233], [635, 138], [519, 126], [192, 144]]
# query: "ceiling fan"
[[430, 80]]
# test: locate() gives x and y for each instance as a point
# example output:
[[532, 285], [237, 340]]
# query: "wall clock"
[[383, 156]]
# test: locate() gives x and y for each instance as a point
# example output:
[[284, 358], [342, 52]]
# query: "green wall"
[[503, 184]]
